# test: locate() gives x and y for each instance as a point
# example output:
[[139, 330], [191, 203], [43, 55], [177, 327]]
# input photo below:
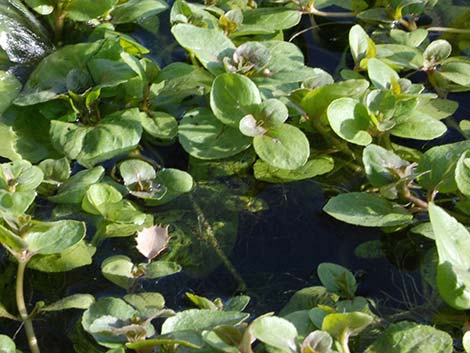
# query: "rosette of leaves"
[[235, 102], [113, 322], [151, 242], [155, 188], [395, 108]]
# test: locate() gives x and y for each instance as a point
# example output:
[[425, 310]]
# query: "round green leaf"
[[337, 279], [160, 125], [205, 137], [148, 304], [368, 210], [350, 120], [276, 332], [118, 269], [7, 345], [158, 269], [97, 196], [466, 341], [135, 170], [381, 75], [380, 163], [436, 51], [284, 147], [341, 325], [230, 95], [409, 337], [176, 182], [317, 166], [136, 10]]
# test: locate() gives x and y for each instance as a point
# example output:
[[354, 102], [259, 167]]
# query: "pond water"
[[275, 250]]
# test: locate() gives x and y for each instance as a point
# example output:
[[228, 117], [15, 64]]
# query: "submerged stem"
[[28, 324], [212, 240]]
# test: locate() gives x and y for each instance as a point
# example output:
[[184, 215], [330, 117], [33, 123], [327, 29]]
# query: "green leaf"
[[98, 196], [409, 337], [276, 332], [437, 108], [75, 188], [201, 319], [11, 240], [462, 174], [344, 325], [316, 102], [76, 256], [381, 166], [436, 52], [337, 279], [307, 298], [368, 210], [439, 163], [7, 345], [148, 304], [400, 56], [381, 75], [284, 147], [160, 125], [115, 134], [20, 176], [85, 10], [360, 44], [75, 301], [270, 114], [456, 71], [10, 87], [42, 7], [267, 20], [108, 310], [48, 237], [316, 166], [418, 126], [56, 171], [175, 182], [209, 45], [137, 10], [136, 171], [412, 39], [453, 271], [101, 58], [350, 120], [466, 341], [119, 270], [158, 269], [231, 94], [17, 202], [203, 136], [5, 314]]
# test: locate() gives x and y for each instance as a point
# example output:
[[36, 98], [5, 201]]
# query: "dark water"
[[276, 250]]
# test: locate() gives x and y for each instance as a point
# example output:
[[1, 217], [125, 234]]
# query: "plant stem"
[[448, 30], [28, 324], [212, 240], [344, 343]]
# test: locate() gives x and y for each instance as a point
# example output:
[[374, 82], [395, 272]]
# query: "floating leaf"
[[436, 52], [119, 270], [137, 10], [381, 75], [343, 325], [7, 345], [368, 210], [381, 166], [231, 94], [203, 136], [10, 87], [76, 301], [285, 147], [201, 319], [409, 337]]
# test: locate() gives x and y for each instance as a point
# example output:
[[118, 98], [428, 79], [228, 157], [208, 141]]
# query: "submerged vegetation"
[[104, 148]]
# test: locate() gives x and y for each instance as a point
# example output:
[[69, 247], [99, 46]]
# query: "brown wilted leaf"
[[152, 241]]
